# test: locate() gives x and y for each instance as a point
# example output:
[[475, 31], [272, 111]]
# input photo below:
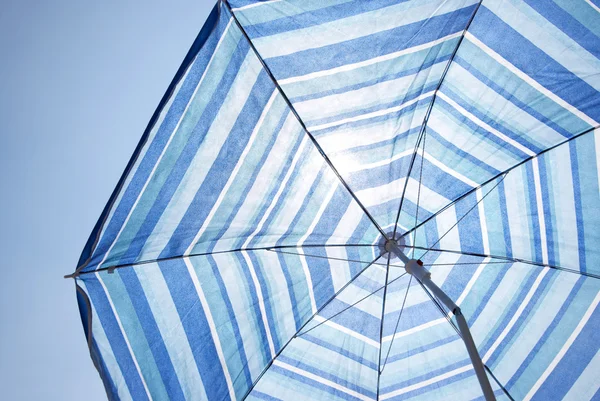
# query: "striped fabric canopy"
[[241, 255]]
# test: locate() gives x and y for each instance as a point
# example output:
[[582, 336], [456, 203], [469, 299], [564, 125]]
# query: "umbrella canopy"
[[244, 252]]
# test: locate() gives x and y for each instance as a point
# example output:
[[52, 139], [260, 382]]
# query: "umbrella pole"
[[415, 267]]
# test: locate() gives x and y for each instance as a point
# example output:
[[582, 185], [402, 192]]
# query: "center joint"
[[389, 244]]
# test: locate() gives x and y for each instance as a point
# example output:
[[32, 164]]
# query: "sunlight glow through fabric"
[[244, 253]]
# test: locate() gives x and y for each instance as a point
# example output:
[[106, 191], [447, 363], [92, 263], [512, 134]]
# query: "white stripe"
[[484, 125], [471, 282], [211, 324], [135, 362], [414, 330], [350, 67], [483, 222], [587, 383], [349, 138], [447, 229], [564, 349], [530, 80], [353, 167], [422, 384], [355, 26], [168, 321], [233, 174], [450, 171], [540, 208], [279, 191], [324, 204], [345, 330], [347, 224], [309, 284], [342, 274], [258, 3], [371, 115], [133, 207], [517, 314], [430, 200], [595, 7], [321, 380], [261, 301]]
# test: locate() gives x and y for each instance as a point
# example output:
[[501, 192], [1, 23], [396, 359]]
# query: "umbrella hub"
[[390, 244], [387, 244]]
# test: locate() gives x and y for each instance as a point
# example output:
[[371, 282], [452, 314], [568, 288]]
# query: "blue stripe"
[[371, 46], [427, 376], [531, 306], [567, 24], [513, 47], [325, 375], [320, 273], [431, 58], [342, 351], [512, 93], [268, 298], [464, 156], [373, 120], [109, 385], [509, 312], [499, 276], [576, 359], [254, 312], [420, 349], [152, 333], [115, 337], [505, 226], [478, 131], [532, 206], [316, 17], [545, 337], [408, 96], [312, 383], [412, 316], [195, 325], [292, 294], [232, 320], [469, 227], [280, 201]]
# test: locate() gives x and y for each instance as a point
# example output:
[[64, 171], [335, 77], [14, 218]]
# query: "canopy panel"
[[206, 327]]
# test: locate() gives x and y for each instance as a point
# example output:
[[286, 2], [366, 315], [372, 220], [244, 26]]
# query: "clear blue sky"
[[79, 82]]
